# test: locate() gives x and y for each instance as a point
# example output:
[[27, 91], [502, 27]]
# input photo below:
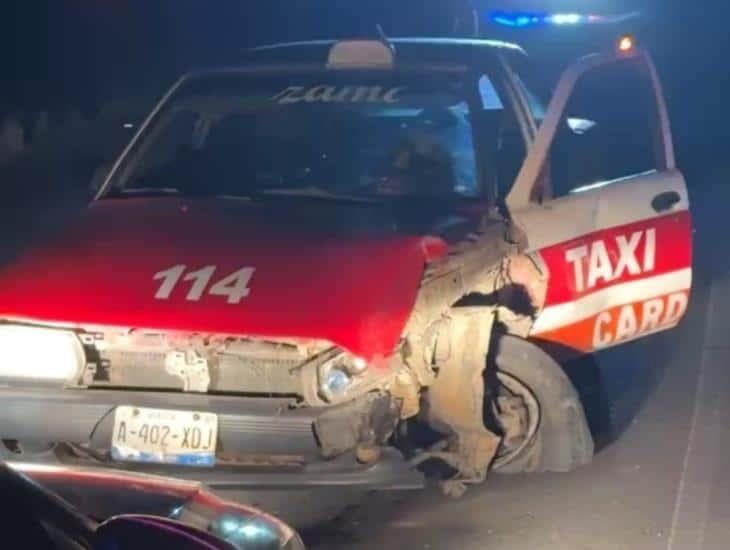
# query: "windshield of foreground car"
[[315, 134]]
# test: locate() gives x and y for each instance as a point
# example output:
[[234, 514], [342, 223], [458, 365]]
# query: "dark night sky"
[[60, 48], [62, 51]]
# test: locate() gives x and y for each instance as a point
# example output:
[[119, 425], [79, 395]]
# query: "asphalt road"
[[661, 480]]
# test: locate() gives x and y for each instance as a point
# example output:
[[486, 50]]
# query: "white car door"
[[617, 253]]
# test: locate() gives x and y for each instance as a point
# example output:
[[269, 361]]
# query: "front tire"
[[552, 432]]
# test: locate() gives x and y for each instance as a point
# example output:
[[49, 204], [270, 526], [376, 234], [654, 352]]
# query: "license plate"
[[164, 437]]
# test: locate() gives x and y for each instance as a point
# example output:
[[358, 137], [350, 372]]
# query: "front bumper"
[[263, 433]]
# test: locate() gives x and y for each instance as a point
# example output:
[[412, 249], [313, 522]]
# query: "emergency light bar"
[[524, 19]]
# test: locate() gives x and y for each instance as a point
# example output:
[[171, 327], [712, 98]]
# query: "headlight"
[[337, 375], [254, 533], [39, 353]]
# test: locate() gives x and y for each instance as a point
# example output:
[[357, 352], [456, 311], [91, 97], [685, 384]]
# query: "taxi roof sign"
[[360, 54]]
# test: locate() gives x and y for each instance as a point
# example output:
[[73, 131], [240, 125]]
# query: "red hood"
[[354, 290]]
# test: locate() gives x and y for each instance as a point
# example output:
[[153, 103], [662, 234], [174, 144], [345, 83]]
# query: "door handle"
[[665, 201]]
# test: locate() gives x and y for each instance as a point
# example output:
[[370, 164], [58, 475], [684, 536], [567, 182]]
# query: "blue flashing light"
[[506, 21], [518, 20]]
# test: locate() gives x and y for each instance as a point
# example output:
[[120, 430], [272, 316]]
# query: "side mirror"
[[580, 126], [132, 532], [101, 173]]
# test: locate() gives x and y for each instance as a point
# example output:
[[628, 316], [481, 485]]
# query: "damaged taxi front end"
[[88, 390], [81, 388]]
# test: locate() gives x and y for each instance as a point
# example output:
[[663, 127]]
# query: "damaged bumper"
[[262, 442]]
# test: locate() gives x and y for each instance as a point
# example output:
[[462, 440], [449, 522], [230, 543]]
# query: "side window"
[[607, 131]]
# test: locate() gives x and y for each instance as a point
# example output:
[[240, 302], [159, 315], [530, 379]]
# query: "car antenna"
[[466, 21], [384, 37], [475, 22]]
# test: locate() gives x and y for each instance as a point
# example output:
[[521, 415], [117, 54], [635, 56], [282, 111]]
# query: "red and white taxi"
[[298, 259]]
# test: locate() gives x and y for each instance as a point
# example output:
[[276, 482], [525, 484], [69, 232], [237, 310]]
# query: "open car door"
[[617, 252]]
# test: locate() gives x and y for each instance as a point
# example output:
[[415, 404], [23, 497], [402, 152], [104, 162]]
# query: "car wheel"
[[538, 411]]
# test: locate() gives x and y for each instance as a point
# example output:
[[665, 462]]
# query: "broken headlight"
[[35, 353], [338, 375]]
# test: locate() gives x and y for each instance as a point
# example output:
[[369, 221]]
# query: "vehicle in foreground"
[[34, 517], [300, 262]]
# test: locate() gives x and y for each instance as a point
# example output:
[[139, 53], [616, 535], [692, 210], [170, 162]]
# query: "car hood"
[[328, 272]]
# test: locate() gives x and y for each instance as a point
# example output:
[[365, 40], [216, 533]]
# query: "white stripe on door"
[[553, 317]]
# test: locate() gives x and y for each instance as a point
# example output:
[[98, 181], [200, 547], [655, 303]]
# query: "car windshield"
[[344, 133]]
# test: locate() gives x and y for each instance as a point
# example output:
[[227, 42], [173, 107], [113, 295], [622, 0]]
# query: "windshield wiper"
[[306, 192], [315, 193], [164, 191], [148, 191]]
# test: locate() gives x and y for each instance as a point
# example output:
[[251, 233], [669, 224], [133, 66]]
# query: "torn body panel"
[[471, 266], [454, 403], [485, 270], [484, 280]]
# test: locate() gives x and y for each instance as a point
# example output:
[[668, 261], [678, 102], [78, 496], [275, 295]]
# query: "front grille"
[[234, 366], [256, 375], [143, 369]]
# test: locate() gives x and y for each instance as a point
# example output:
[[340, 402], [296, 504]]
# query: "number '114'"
[[234, 286]]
